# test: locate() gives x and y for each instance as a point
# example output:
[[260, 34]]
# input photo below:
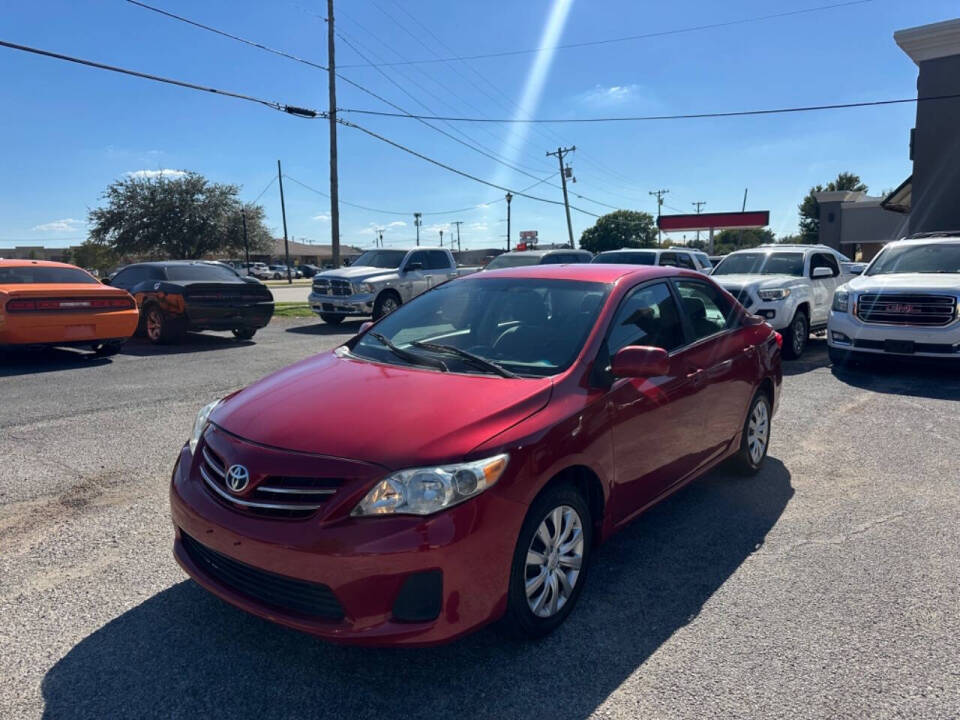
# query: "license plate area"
[[327, 307], [902, 347]]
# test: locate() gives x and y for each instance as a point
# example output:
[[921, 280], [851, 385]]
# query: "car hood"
[[756, 281], [907, 282], [356, 272], [337, 405]]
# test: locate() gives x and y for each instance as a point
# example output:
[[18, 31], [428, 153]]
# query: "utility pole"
[[334, 183], [246, 243], [563, 180], [283, 210], [742, 209], [380, 235], [441, 238], [659, 194], [417, 222], [458, 223], [509, 198], [698, 205]]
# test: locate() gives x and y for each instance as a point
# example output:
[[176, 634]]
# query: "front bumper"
[[365, 562], [358, 305], [847, 332]]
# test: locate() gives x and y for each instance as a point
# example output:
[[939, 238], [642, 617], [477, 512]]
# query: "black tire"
[[106, 349], [244, 333], [386, 303], [796, 336], [521, 620], [747, 461], [331, 319], [161, 328]]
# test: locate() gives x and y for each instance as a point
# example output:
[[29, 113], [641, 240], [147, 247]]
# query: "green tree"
[[92, 256], [183, 217], [726, 241], [810, 209], [620, 229]]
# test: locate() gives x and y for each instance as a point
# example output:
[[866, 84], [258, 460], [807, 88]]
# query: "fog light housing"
[[768, 314], [839, 338], [420, 598]]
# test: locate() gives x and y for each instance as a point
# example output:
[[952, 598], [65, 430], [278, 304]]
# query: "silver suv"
[[791, 286]]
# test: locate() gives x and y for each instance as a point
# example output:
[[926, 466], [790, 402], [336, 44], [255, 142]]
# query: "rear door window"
[[437, 260], [685, 261]]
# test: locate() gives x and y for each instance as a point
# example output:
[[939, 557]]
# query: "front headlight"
[[201, 423], [362, 288], [775, 294], [841, 301], [422, 491]]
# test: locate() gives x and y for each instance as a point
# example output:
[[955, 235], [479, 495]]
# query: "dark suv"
[[520, 258], [180, 295]]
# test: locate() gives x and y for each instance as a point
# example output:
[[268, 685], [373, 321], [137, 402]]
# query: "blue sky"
[[69, 131]]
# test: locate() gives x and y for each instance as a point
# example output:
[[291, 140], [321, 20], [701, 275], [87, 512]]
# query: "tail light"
[[779, 338], [68, 304]]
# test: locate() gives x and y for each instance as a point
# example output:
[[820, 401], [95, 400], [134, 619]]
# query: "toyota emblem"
[[238, 477]]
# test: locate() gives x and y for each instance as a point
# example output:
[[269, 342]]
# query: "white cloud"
[[322, 217], [479, 226], [607, 95], [396, 223], [65, 225], [149, 174]]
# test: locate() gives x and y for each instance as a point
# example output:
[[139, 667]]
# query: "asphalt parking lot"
[[826, 586]]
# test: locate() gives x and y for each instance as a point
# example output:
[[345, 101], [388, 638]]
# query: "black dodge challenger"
[[175, 296]]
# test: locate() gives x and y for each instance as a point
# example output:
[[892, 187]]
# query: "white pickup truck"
[[380, 281], [791, 286]]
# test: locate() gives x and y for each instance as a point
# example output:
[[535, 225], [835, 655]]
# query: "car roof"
[[19, 262], [542, 253], [585, 272], [927, 240]]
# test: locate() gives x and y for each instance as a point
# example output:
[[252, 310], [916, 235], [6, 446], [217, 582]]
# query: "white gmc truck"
[[907, 303], [791, 286], [380, 281]]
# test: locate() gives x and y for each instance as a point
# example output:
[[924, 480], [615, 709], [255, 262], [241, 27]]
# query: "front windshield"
[[199, 271], [509, 261], [758, 263], [626, 258], [43, 274], [932, 258], [530, 326], [380, 259]]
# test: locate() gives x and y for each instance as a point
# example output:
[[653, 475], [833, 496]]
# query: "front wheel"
[[244, 333], [755, 437], [796, 336], [550, 562], [386, 303]]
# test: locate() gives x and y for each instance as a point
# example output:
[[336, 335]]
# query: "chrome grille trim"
[[214, 464], [925, 310], [296, 490], [327, 286], [250, 503]]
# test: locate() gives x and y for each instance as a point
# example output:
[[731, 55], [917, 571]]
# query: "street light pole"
[[509, 198], [416, 221]]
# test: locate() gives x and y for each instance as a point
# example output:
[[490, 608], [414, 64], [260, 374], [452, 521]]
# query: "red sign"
[[528, 234], [717, 221]]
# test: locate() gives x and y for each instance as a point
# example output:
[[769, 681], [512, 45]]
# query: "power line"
[[269, 185], [290, 109], [686, 116], [629, 38]]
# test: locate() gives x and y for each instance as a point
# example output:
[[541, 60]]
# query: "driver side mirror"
[[409, 267], [105, 280], [821, 272], [638, 361]]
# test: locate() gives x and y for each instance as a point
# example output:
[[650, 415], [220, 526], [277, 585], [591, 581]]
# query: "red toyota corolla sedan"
[[459, 461]]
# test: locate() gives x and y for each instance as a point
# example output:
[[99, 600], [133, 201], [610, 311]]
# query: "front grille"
[[906, 309], [278, 591], [276, 496], [326, 286]]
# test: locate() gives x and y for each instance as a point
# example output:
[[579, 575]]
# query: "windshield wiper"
[[410, 357], [468, 356]]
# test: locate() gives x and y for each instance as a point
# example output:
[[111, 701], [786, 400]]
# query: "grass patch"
[[292, 309]]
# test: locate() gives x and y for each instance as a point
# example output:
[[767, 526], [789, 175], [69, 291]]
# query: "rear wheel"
[[755, 437], [795, 339], [386, 303], [331, 319], [550, 562], [244, 333], [161, 328]]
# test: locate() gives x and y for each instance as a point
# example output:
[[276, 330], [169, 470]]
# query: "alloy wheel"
[[554, 561], [799, 334], [154, 325], [389, 305], [758, 431]]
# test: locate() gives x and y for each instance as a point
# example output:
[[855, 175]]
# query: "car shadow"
[[814, 357], [351, 327], [184, 654], [918, 377], [44, 360], [192, 342]]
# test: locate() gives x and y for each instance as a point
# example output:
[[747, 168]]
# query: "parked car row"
[[54, 304]]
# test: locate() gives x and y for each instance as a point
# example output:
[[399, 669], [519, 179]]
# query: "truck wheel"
[[756, 436], [796, 336], [386, 303], [549, 562], [331, 319], [244, 333], [161, 328]]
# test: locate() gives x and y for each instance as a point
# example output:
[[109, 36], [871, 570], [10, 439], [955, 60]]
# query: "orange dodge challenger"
[[50, 303]]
